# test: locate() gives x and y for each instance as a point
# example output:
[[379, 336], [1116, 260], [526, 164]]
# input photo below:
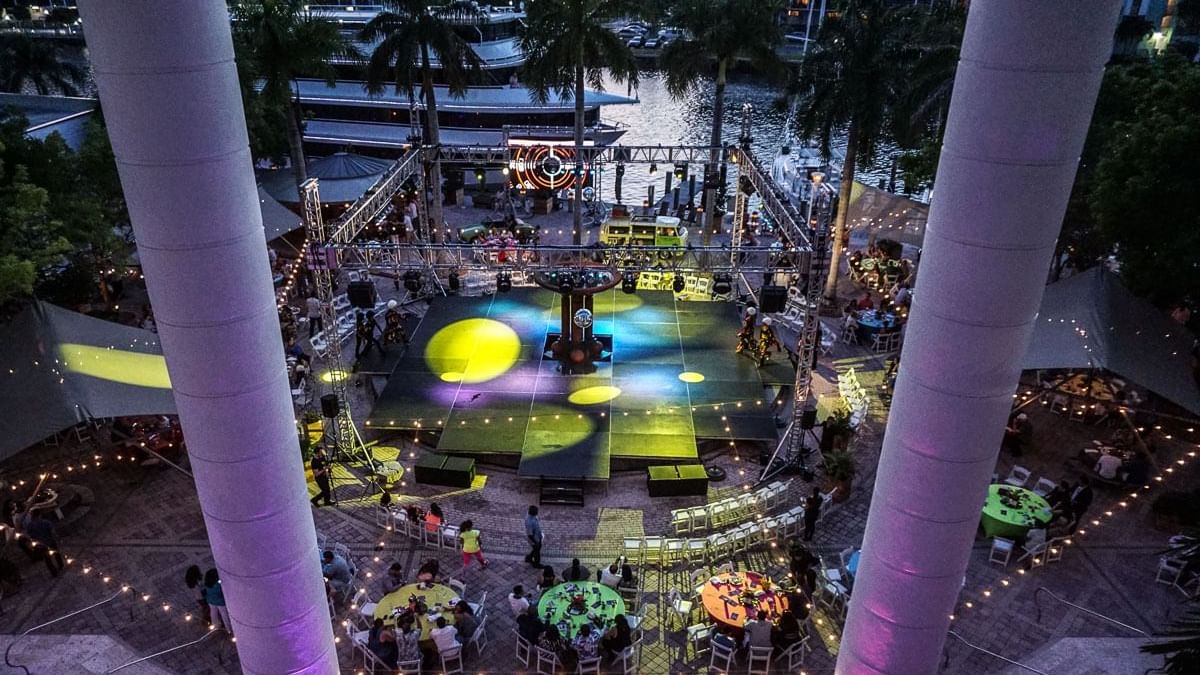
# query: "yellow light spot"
[[141, 370], [691, 377], [487, 348], [331, 376], [594, 395]]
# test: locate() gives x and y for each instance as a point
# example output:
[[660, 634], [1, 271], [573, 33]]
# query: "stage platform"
[[476, 381]]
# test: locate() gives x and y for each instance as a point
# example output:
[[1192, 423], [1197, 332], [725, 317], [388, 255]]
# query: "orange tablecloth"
[[733, 613]]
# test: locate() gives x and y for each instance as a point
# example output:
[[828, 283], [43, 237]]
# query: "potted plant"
[[836, 430], [839, 473]]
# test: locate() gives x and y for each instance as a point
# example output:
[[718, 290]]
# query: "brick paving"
[[145, 528]]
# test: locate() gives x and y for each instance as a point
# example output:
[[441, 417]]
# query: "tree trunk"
[[577, 220], [434, 138], [839, 225], [296, 143], [710, 195]]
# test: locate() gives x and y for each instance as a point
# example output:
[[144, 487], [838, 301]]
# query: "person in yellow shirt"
[[471, 544]]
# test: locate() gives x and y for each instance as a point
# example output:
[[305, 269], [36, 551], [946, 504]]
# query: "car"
[[651, 43], [631, 32], [636, 42]]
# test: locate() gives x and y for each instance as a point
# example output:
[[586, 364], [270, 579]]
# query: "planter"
[[842, 486]]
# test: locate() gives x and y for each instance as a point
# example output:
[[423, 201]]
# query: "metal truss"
[[791, 446]]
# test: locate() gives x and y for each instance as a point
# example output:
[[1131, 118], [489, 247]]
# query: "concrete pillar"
[[1027, 82], [167, 81]]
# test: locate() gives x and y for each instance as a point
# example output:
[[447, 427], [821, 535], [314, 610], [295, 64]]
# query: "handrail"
[[1037, 603], [123, 666], [12, 644], [977, 648]]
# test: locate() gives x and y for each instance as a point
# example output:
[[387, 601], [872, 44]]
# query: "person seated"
[[382, 643], [788, 632], [444, 636], [1057, 496], [529, 626], [337, 571], [618, 638], [585, 643], [1107, 466], [434, 518], [628, 579], [551, 640], [717, 635], [517, 600], [758, 631], [427, 573], [408, 639], [611, 576], [393, 579], [576, 572], [296, 351], [464, 619]]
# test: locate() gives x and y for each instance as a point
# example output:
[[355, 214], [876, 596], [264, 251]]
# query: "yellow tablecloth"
[[436, 594]]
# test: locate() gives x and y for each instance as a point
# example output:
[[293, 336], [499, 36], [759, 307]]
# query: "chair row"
[[545, 662], [347, 319], [667, 551], [1019, 476], [729, 511], [440, 537], [1049, 551]]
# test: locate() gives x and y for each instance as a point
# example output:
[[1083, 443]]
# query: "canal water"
[[659, 119]]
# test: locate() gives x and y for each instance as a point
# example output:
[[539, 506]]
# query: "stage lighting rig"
[[681, 171]]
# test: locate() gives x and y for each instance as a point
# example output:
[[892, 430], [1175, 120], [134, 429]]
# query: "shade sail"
[[1091, 320], [60, 368]]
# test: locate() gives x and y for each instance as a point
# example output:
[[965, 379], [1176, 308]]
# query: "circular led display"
[[548, 167]]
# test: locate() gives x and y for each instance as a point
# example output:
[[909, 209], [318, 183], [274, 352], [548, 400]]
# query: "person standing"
[[812, 511], [472, 544], [315, 322], [533, 530], [215, 597], [320, 471]]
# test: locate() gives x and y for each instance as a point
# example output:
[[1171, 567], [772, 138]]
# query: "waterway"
[[659, 119]]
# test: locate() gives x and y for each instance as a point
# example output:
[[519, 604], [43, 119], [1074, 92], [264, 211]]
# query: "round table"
[[393, 603], [721, 598], [871, 322], [1013, 519], [603, 605]]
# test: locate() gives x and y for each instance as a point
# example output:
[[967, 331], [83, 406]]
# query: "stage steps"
[[562, 492]]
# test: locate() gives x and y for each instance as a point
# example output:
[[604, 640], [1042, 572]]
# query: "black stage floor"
[[476, 373]]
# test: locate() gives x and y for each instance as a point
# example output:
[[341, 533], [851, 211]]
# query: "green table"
[[1010, 511], [603, 605]]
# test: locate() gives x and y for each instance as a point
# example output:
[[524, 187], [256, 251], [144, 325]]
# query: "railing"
[[157, 654], [956, 636], [1037, 604], [64, 617]]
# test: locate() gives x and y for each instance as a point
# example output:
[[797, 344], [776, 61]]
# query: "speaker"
[[772, 299], [361, 294], [808, 418], [329, 405]]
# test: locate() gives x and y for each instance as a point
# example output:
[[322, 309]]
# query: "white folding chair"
[[1170, 571], [362, 602], [459, 587], [479, 639], [1018, 476], [452, 660], [1044, 486], [547, 661], [1054, 549], [450, 538], [629, 660], [759, 662], [523, 649], [697, 636], [794, 655], [632, 549], [720, 658], [698, 579], [409, 667], [652, 550], [681, 608], [588, 666], [699, 516], [1002, 550], [673, 551]]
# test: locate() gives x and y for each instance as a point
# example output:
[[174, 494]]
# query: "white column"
[[169, 88], [1027, 82]]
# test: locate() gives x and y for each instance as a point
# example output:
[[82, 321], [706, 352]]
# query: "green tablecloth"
[[1012, 522], [435, 594], [603, 605]]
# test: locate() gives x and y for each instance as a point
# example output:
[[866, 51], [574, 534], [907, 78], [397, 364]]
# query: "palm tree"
[[722, 31], [410, 35], [278, 41], [857, 78], [568, 44], [37, 63]]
